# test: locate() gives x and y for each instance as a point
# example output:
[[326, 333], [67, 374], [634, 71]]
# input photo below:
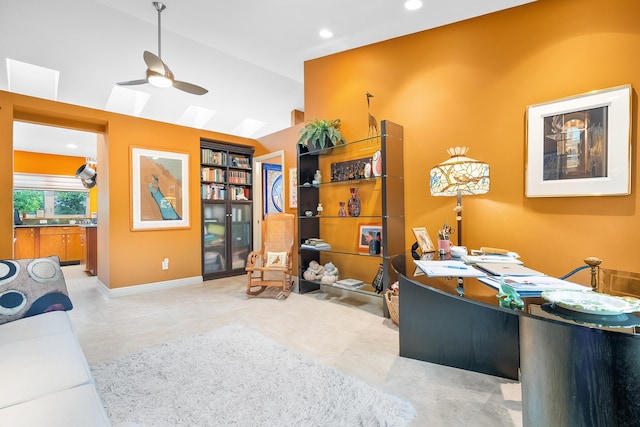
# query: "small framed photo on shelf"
[[367, 233], [580, 146], [422, 238]]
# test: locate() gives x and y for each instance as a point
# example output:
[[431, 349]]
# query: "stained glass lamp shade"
[[457, 176]]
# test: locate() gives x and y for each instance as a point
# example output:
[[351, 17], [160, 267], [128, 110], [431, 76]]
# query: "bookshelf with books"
[[226, 193]]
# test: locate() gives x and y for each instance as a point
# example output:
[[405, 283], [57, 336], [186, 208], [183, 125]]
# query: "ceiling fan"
[[158, 74]]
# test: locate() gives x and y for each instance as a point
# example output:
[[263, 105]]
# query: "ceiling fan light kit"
[[158, 80], [158, 74]]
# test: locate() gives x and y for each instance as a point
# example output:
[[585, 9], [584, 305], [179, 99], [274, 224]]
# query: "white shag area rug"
[[234, 376]]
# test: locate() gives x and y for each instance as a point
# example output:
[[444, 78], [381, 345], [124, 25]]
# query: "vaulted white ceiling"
[[249, 54]]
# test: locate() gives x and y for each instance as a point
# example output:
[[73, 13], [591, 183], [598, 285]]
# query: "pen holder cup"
[[444, 246]]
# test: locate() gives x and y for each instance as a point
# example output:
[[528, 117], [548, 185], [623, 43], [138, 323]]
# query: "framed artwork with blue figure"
[[160, 195], [273, 188]]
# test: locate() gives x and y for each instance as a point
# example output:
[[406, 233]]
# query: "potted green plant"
[[319, 135]]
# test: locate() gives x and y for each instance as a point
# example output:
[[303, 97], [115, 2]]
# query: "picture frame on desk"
[[580, 146], [160, 189], [422, 238]]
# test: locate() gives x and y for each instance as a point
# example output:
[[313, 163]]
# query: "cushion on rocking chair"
[[276, 259]]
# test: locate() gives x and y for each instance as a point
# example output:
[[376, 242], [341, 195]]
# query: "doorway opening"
[[48, 192], [277, 158]]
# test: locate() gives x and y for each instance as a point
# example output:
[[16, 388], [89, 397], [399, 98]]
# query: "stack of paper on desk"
[[533, 285], [448, 269], [507, 269], [474, 259]]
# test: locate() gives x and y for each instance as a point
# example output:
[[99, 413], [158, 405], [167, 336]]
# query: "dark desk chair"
[[619, 283]]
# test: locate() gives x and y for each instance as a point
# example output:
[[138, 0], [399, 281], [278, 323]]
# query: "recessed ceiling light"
[[325, 33], [72, 146], [413, 4]]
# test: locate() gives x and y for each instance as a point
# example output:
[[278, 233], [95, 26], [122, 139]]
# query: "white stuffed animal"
[[330, 274], [314, 272]]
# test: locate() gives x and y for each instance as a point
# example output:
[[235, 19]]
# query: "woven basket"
[[393, 306]]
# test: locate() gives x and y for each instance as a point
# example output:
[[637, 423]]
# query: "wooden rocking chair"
[[272, 266]]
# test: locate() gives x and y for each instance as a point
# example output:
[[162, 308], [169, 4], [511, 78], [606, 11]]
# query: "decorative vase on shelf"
[[354, 202], [342, 211]]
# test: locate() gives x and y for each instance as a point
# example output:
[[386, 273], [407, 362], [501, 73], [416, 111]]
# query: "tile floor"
[[338, 332]]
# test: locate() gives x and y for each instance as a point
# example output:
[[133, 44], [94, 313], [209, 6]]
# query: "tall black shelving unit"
[[382, 201]]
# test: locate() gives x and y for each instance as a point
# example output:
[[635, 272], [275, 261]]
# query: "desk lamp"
[[457, 176]]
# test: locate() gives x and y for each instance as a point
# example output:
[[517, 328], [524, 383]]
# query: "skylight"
[[32, 80]]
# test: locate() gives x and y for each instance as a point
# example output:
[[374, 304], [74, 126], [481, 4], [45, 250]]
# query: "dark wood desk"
[[573, 373], [441, 327]]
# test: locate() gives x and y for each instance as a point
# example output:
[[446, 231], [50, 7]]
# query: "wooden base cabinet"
[[90, 250], [63, 241], [26, 243]]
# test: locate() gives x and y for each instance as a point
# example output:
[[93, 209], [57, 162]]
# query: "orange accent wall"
[[285, 140], [469, 84], [49, 164], [125, 257]]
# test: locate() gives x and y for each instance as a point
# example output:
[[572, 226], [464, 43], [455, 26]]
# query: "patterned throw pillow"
[[276, 259], [31, 286]]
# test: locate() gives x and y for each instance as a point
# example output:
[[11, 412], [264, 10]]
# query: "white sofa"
[[44, 376], [46, 380]]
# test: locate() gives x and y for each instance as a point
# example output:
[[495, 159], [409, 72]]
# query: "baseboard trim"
[[147, 287]]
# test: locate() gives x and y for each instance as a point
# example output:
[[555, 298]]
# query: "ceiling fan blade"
[[133, 82], [154, 63], [190, 88]]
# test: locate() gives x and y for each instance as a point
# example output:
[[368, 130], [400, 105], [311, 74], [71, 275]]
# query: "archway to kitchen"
[[47, 154]]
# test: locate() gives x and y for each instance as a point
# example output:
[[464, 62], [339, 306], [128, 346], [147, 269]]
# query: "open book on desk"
[[448, 269], [532, 286]]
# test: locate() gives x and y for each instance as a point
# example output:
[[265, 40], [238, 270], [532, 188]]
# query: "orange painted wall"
[[126, 257], [470, 84], [285, 140], [49, 164]]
